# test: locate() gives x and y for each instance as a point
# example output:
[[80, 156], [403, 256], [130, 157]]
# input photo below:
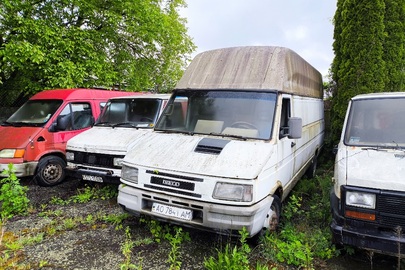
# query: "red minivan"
[[34, 138]]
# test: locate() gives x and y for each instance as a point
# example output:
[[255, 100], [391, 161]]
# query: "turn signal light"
[[360, 215]]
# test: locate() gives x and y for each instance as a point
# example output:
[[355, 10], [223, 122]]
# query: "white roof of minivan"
[[379, 95], [147, 95]]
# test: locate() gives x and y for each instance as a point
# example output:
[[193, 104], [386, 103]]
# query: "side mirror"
[[294, 128], [61, 123]]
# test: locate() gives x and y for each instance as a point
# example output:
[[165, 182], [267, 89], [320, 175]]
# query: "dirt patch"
[[75, 236]]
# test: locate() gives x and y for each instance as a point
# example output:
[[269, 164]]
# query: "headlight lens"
[[12, 153], [129, 174], [232, 192], [360, 199], [117, 162], [70, 156]]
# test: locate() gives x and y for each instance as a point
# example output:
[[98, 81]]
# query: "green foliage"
[[369, 52], [304, 235], [13, 196], [236, 257], [116, 219], [139, 45], [175, 242], [126, 249]]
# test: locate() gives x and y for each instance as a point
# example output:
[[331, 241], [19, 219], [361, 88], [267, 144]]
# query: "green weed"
[[13, 196]]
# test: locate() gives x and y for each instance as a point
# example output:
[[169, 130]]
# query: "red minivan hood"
[[17, 137]]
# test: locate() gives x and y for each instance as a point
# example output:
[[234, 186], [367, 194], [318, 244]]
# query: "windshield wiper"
[[105, 123], [130, 124], [228, 135]]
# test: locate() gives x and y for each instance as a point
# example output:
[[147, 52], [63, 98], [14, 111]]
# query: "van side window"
[[285, 115], [75, 116]]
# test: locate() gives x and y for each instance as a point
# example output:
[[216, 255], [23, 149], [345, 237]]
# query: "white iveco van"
[[252, 126], [96, 154], [368, 196]]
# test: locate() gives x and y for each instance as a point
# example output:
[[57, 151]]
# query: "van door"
[[285, 146], [73, 119]]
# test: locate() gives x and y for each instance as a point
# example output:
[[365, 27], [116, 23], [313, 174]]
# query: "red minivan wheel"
[[50, 171]]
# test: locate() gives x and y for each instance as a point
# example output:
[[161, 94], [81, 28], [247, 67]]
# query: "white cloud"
[[302, 25]]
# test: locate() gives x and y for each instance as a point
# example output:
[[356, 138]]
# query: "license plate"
[[92, 178], [172, 211]]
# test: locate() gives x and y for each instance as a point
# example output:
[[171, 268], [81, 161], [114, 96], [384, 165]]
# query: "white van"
[[252, 126], [368, 196], [96, 154]]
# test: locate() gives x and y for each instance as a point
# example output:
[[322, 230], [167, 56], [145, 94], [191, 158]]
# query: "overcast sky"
[[304, 26]]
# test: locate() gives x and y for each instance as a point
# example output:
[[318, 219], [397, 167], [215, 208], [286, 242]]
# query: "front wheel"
[[271, 221], [51, 171]]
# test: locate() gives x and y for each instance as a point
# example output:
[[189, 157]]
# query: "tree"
[[359, 65], [126, 44], [394, 55]]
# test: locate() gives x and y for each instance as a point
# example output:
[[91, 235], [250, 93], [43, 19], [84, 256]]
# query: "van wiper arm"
[[228, 135], [375, 148], [124, 124]]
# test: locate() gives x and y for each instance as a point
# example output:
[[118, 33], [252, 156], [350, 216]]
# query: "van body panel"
[[231, 162], [227, 159], [32, 129], [125, 120], [376, 168], [21, 136], [368, 195], [99, 140]]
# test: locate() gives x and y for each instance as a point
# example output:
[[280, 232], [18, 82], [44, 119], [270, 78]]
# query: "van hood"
[[381, 169], [210, 156], [105, 139], [17, 137]]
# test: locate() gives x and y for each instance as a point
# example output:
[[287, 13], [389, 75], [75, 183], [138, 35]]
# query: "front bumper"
[[364, 235], [220, 218], [100, 175], [20, 169]]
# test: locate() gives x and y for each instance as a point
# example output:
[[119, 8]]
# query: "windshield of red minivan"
[[36, 112]]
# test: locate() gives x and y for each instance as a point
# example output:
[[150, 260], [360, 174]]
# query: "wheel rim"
[[52, 173], [272, 219]]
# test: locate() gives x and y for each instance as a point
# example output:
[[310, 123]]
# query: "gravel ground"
[[96, 245]]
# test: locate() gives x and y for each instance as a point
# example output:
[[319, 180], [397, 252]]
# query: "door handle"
[[293, 144]]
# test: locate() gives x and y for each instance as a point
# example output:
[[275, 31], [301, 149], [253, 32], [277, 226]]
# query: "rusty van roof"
[[253, 68]]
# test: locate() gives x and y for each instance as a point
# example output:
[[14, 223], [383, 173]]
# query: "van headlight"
[[12, 153], [117, 162], [70, 156], [129, 174], [233, 192], [360, 199]]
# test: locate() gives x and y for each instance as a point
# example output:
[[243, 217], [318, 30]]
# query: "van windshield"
[[34, 113], [135, 112], [245, 114], [377, 123]]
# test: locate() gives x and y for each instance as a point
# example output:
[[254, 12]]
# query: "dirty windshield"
[[34, 113], [244, 114], [134, 112], [376, 123]]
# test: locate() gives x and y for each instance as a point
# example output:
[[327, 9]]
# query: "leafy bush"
[[13, 196]]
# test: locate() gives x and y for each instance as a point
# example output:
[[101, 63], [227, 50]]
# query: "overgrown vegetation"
[[13, 196], [302, 241]]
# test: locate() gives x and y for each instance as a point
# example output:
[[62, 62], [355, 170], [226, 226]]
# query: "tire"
[[50, 171], [272, 220], [311, 171]]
